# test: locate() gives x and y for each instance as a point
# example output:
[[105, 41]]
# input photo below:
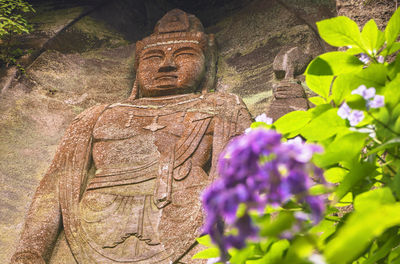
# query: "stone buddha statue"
[[126, 180]]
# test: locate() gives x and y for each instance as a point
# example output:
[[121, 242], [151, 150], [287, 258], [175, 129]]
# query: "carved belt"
[[109, 177]]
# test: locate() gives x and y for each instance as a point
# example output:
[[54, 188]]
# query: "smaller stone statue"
[[288, 94]]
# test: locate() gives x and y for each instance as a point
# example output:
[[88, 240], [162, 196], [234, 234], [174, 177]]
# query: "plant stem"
[[383, 124]]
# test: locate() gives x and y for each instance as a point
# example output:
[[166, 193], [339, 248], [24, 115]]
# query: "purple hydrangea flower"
[[356, 117], [256, 169], [364, 58], [377, 101], [364, 92], [372, 101], [380, 59], [344, 111]]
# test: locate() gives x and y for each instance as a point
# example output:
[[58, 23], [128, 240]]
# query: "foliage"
[[12, 23], [357, 121]]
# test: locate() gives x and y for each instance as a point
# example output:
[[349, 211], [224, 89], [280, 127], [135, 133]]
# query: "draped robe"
[[127, 179]]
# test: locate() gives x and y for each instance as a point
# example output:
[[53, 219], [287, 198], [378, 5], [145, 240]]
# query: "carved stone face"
[[170, 69]]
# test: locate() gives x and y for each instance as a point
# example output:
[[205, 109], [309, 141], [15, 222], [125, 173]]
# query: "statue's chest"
[[125, 136]]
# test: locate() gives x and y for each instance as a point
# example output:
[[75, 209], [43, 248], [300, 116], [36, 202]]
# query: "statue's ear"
[[138, 49], [135, 90], [211, 54]]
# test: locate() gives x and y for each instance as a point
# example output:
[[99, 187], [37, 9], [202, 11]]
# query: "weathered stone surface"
[[288, 93], [82, 79], [362, 11], [289, 96], [290, 62], [250, 39], [64, 81], [35, 113], [31, 126]]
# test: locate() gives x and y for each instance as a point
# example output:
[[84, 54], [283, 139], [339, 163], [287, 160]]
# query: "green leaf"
[[339, 31], [373, 198], [316, 100], [359, 172], [292, 121], [205, 241], [392, 92], [390, 50], [394, 67], [354, 50], [275, 227], [324, 126], [393, 28], [274, 254], [359, 230], [321, 85], [260, 125], [324, 229], [383, 250], [301, 248], [342, 87], [319, 110], [207, 253], [318, 189], [396, 127], [383, 115], [345, 201], [395, 185], [372, 38], [372, 76], [356, 101], [240, 256], [343, 148], [335, 174], [334, 63], [388, 144], [394, 257]]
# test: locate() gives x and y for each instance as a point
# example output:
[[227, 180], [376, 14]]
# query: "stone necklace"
[[154, 126]]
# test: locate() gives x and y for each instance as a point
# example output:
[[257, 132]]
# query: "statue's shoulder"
[[90, 115]]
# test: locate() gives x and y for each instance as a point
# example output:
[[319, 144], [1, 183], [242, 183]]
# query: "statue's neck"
[[164, 100]]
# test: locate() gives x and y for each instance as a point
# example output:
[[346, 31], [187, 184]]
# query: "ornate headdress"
[[178, 26]]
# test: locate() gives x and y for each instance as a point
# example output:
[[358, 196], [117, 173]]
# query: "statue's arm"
[[42, 225], [44, 220]]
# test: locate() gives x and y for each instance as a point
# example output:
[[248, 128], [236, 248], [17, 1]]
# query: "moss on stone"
[[256, 98], [49, 19], [227, 76], [99, 30]]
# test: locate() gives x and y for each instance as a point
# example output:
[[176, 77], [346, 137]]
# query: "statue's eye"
[[152, 57], [185, 54]]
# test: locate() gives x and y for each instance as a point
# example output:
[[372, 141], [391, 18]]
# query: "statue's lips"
[[166, 78], [165, 82]]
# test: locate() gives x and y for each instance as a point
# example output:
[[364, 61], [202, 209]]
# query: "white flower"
[[248, 130], [264, 118], [317, 259]]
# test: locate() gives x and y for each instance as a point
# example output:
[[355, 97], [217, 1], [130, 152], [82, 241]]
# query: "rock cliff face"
[[83, 54]]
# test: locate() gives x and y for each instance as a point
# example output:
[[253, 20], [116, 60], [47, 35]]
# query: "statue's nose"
[[168, 65]]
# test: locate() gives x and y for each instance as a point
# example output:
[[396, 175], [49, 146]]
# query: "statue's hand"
[[27, 258], [286, 89]]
